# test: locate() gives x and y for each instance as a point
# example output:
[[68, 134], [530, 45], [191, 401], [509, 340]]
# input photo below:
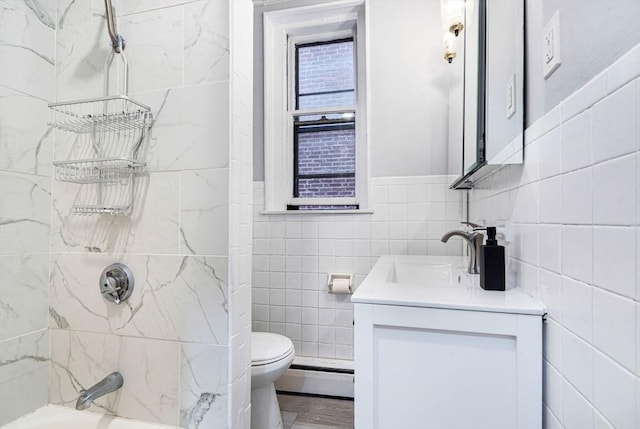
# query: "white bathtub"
[[56, 417]]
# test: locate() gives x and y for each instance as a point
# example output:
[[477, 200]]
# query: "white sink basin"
[[437, 282], [420, 273]]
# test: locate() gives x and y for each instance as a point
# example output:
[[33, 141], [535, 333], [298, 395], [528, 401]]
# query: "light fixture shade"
[[449, 46], [452, 14]]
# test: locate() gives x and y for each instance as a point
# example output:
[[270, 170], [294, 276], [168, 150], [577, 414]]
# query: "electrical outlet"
[[511, 96], [551, 59]]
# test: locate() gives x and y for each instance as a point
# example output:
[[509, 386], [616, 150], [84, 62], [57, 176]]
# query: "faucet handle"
[[471, 224]]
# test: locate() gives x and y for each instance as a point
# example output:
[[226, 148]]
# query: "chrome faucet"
[[474, 240], [110, 383]]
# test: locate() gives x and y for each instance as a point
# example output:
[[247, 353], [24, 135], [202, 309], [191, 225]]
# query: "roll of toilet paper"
[[340, 286]]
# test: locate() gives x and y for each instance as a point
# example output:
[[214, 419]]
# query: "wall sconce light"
[[449, 46], [452, 14], [454, 18]]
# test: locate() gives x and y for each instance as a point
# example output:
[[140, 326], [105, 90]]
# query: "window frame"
[[294, 43], [283, 30]]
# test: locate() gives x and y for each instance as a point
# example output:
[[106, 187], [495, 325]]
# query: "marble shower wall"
[[27, 84], [173, 339]]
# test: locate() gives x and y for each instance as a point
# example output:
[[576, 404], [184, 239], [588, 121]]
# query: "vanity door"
[[428, 368]]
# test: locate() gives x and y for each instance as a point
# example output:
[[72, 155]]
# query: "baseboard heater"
[[317, 380]]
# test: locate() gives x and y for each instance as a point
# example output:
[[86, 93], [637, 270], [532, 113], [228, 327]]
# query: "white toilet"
[[271, 355]]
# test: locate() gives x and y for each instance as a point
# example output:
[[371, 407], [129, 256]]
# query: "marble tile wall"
[[571, 217], [293, 254], [186, 240], [27, 61]]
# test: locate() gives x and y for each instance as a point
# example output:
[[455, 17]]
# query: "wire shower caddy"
[[115, 126]]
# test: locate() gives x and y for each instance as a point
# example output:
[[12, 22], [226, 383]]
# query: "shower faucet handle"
[[111, 287], [116, 283]]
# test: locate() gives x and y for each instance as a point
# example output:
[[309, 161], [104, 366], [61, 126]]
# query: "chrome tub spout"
[[110, 383]]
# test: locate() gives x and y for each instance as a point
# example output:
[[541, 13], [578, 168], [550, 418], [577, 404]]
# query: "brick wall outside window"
[[325, 67], [326, 152]]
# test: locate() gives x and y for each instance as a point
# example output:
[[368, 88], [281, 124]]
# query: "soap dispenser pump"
[[492, 272]]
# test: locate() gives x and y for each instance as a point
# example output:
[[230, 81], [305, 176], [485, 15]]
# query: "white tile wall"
[[24, 294], [293, 254], [201, 142], [205, 386], [188, 240], [587, 235], [204, 202], [26, 32], [241, 209], [576, 410], [151, 385], [155, 53], [27, 82], [24, 374], [25, 138], [206, 33], [179, 298]]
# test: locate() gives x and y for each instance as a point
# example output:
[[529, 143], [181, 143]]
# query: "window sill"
[[315, 212]]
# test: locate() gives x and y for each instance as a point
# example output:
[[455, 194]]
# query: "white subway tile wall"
[[240, 200], [294, 253], [574, 242]]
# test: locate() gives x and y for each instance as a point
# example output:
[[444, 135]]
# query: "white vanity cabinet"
[[424, 361]]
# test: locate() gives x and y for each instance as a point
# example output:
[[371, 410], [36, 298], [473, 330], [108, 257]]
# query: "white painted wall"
[[258, 80], [455, 136], [409, 89], [408, 84], [505, 26], [594, 34]]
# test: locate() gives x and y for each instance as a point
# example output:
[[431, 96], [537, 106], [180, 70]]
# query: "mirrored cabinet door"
[[490, 60]]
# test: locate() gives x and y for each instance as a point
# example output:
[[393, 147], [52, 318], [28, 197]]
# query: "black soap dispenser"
[[492, 263]]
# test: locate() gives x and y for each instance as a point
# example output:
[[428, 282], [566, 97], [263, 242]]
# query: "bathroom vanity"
[[434, 350]]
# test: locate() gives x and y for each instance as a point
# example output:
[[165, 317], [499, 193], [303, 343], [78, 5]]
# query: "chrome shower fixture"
[[117, 41], [116, 283]]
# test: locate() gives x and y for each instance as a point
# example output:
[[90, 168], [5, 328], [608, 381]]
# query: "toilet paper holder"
[[340, 283]]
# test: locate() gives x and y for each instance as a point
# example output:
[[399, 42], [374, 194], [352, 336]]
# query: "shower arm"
[[117, 41], [118, 45]]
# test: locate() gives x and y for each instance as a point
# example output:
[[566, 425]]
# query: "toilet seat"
[[268, 348]]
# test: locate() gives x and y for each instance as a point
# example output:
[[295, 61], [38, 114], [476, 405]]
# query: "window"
[[324, 138], [315, 148]]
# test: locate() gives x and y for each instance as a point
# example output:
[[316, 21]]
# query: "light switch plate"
[[511, 96], [551, 58]]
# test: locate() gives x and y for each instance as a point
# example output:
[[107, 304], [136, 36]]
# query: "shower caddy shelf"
[[104, 170], [105, 121], [97, 115], [106, 118]]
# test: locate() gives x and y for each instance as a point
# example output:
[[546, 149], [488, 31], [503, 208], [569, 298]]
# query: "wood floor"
[[306, 412]]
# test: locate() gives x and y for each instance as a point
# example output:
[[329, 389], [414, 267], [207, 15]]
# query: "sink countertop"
[[462, 292]]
